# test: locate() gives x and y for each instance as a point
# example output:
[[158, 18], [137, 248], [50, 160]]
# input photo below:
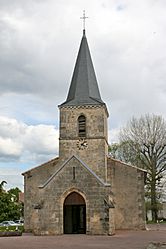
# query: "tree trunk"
[[153, 200]]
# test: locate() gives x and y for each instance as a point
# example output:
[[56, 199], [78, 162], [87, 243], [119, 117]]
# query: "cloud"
[[113, 135], [43, 139], [9, 148], [39, 42], [12, 176], [31, 50], [21, 142], [127, 50], [39, 46]]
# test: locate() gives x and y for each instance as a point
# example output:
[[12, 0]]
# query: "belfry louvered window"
[[82, 126]]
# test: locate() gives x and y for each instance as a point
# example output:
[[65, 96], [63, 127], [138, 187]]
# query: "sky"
[[39, 42]]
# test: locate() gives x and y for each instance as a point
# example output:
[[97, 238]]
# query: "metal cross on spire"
[[84, 18]]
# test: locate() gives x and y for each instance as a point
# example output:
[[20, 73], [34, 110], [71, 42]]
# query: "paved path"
[[122, 240]]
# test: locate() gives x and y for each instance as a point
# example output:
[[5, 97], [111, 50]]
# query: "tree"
[[10, 208], [2, 185], [143, 143], [14, 192]]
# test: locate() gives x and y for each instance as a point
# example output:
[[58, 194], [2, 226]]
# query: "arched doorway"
[[74, 214]]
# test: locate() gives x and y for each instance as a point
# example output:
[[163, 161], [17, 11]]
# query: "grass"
[[159, 222], [11, 228]]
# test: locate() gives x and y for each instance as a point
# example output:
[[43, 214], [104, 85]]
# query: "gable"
[[42, 167], [111, 161], [73, 168]]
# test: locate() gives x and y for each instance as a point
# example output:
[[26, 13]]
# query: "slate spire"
[[83, 88]]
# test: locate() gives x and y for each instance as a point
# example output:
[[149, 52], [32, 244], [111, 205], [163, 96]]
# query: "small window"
[[74, 173], [82, 126]]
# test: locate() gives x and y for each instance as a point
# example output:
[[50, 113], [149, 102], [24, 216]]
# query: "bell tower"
[[83, 117]]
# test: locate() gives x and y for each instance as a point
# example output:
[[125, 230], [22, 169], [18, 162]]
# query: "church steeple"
[[83, 116], [83, 88]]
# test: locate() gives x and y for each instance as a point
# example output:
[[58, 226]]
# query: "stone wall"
[[48, 219], [32, 179], [95, 155], [127, 184]]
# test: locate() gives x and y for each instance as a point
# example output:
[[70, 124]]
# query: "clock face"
[[82, 144]]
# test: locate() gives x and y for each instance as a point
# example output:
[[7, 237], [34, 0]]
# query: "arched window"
[[82, 126]]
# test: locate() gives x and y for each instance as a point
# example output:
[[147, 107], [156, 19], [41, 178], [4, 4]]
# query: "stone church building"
[[83, 190]]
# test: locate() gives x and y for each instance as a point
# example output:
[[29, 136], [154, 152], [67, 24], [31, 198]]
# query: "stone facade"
[[96, 153], [127, 184], [45, 199], [117, 204], [83, 190]]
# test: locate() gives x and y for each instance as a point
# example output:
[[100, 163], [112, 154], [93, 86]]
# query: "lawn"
[[11, 228]]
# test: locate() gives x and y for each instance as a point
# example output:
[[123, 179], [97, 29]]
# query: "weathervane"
[[83, 17]]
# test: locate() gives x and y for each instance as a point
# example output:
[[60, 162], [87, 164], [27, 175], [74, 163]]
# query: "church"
[[83, 191]]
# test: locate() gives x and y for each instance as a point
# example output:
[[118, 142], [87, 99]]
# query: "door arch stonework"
[[74, 214]]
